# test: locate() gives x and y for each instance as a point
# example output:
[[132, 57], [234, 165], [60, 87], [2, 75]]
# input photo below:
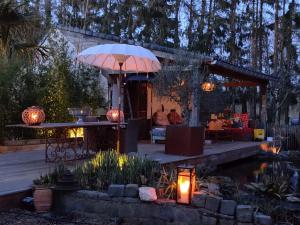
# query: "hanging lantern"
[[208, 86], [33, 115], [113, 115], [185, 184]]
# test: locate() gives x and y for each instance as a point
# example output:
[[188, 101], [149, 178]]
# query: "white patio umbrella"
[[135, 59], [122, 58]]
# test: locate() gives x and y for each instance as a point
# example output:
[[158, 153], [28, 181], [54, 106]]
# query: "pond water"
[[252, 169]]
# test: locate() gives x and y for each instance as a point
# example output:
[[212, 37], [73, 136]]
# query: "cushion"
[[244, 118], [160, 131]]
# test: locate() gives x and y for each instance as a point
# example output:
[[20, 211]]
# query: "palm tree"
[[17, 31]]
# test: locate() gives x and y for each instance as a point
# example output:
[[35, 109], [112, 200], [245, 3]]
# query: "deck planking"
[[19, 168]]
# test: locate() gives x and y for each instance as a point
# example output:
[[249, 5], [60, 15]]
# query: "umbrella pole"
[[119, 109]]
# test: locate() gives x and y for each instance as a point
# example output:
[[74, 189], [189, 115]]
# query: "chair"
[[129, 136]]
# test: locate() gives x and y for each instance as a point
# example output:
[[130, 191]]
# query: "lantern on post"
[[186, 179], [33, 115], [113, 115]]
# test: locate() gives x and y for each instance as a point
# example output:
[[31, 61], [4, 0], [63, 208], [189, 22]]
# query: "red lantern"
[[33, 115], [186, 178], [113, 115]]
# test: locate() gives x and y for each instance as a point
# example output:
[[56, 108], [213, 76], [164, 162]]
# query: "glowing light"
[[185, 184], [113, 115], [76, 133], [208, 86], [33, 115]]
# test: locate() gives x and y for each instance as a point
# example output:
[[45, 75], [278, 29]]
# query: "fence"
[[287, 136]]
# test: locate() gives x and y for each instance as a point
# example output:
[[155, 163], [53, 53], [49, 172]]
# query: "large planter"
[[42, 198], [184, 140]]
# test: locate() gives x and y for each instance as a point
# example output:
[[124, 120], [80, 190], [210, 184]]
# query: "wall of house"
[[155, 103]]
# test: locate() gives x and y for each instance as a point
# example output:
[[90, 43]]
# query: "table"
[[60, 146]]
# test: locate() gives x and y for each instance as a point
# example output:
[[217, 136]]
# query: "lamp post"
[[186, 179], [120, 58]]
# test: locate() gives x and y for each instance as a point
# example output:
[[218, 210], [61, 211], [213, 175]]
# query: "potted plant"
[[42, 193], [182, 83]]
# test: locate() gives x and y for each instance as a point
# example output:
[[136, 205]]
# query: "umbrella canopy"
[[135, 59]]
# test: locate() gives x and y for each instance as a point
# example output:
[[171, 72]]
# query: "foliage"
[[50, 178], [273, 183], [57, 80], [18, 24], [111, 168], [258, 34], [181, 84], [54, 83], [167, 183]]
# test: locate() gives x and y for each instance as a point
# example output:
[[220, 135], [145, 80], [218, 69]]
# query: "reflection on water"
[[252, 170]]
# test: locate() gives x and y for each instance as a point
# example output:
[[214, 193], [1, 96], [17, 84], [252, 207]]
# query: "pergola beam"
[[241, 84]]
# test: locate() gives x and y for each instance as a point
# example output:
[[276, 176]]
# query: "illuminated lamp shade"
[[113, 115], [186, 179], [208, 86], [33, 115]]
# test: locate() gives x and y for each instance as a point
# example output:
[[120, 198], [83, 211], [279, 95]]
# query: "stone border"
[[206, 210]]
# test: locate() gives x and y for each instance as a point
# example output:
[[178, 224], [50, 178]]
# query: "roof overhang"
[[238, 72]]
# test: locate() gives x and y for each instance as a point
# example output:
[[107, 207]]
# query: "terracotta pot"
[[42, 198]]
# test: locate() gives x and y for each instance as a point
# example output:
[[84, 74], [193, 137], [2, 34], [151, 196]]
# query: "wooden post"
[[195, 99], [263, 116]]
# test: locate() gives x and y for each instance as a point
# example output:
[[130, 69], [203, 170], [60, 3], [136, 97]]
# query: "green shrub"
[[111, 168], [50, 178]]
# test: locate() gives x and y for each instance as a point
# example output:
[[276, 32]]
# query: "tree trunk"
[[191, 24], [176, 36], [232, 39], [48, 7], [276, 36], [195, 99]]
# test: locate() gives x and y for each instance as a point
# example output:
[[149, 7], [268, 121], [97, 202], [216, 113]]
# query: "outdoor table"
[[58, 144]]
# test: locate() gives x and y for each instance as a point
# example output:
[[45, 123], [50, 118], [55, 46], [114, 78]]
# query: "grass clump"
[[110, 167]]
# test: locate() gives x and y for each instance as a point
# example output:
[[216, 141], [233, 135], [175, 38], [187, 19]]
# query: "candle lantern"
[[186, 179], [113, 115], [208, 86], [33, 115]]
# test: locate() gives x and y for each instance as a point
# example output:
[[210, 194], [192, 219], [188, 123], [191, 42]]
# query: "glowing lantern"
[[113, 115], [185, 184], [33, 115], [208, 86]]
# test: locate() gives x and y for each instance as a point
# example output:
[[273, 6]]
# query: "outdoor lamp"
[[113, 115], [186, 179], [208, 86], [33, 115]]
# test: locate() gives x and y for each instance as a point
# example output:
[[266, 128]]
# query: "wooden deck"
[[215, 154], [19, 168]]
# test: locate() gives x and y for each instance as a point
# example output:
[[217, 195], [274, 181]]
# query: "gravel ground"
[[23, 217]]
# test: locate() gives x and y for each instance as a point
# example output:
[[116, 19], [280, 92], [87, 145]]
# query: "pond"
[[252, 169]]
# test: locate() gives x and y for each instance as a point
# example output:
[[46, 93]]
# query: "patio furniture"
[[158, 134], [184, 140], [130, 135], [217, 135], [60, 146], [230, 134]]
